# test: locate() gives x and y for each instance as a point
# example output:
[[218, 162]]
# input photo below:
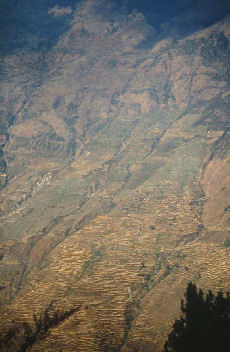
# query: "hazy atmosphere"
[[114, 175]]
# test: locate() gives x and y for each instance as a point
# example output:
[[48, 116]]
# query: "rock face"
[[115, 178]]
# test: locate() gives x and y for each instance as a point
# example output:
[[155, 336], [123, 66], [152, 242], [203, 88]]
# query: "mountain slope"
[[117, 186]]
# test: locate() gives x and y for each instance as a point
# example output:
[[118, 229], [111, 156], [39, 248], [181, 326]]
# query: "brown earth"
[[117, 186]]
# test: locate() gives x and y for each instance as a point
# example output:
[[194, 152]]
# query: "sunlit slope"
[[118, 184]]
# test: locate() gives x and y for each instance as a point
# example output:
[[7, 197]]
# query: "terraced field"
[[116, 187]]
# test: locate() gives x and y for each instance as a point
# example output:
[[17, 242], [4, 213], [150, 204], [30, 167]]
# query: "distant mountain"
[[32, 25], [114, 167]]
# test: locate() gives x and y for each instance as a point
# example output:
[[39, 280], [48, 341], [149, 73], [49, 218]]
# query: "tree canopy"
[[204, 324]]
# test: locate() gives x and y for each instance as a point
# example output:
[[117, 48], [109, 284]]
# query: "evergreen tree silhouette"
[[22, 336], [204, 325]]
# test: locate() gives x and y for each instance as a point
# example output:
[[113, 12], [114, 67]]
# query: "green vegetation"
[[227, 242], [96, 256], [204, 325]]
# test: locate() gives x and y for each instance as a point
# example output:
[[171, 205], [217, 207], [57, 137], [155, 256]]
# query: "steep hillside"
[[115, 180]]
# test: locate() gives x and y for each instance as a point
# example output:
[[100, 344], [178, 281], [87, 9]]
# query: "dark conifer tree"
[[204, 325]]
